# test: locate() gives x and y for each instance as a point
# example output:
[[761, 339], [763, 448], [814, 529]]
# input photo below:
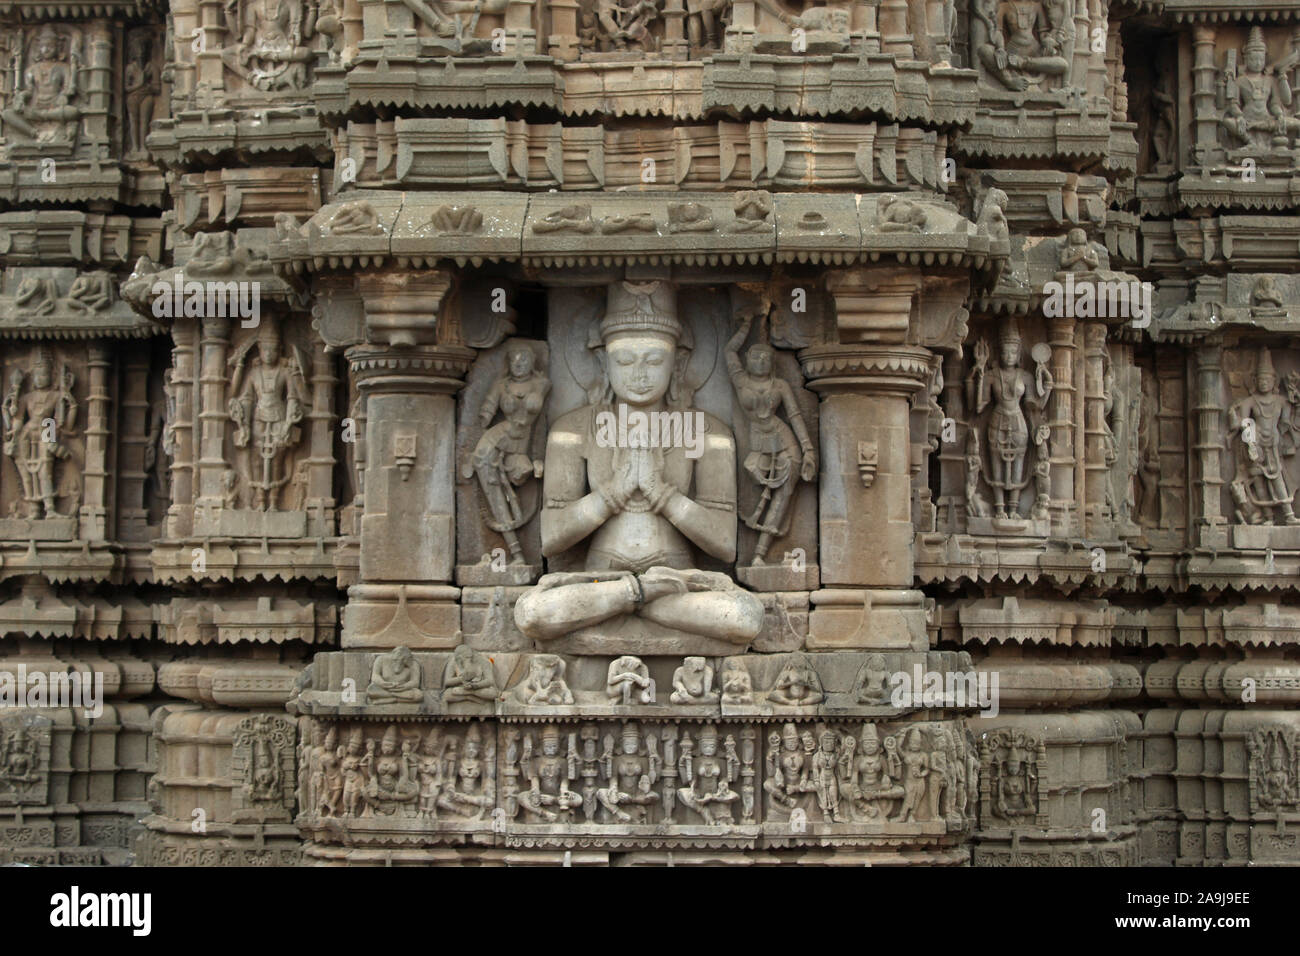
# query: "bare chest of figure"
[[40, 405], [759, 399]]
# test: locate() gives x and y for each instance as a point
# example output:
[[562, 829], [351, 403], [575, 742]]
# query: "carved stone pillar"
[[320, 482], [1203, 108], [94, 500], [213, 380], [408, 532], [1096, 517], [866, 385], [131, 510], [1060, 411], [1209, 445], [180, 520]]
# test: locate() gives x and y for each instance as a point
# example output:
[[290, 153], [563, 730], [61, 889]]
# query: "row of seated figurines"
[[918, 774], [468, 677]]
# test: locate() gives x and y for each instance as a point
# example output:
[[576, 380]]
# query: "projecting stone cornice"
[[558, 230]]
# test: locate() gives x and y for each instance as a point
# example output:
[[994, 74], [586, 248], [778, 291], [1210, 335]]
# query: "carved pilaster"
[[1203, 108], [1096, 515], [865, 512], [180, 519], [213, 379], [1064, 505], [408, 531], [1209, 444], [94, 511]]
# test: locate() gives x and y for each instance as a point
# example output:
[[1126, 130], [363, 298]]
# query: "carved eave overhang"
[[232, 259], [191, 136], [1192, 322], [1221, 243], [48, 615], [394, 76], [118, 321], [1224, 11], [1120, 9], [1034, 263], [879, 85], [35, 10], [1264, 625], [1017, 620], [245, 197], [262, 620], [23, 179], [65, 237], [1057, 126], [558, 230], [906, 91], [961, 558], [452, 153]]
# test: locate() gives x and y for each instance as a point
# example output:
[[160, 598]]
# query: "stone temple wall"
[[645, 431]]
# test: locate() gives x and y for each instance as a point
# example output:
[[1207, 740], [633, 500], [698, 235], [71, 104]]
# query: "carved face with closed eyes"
[[640, 366]]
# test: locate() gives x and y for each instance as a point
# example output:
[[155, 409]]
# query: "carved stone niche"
[[145, 94], [262, 765], [624, 30], [801, 27], [1005, 432], [277, 474], [44, 105], [463, 28], [500, 447], [45, 442], [1026, 45], [371, 781], [639, 513], [1261, 392], [24, 758], [845, 777], [264, 49], [777, 444]]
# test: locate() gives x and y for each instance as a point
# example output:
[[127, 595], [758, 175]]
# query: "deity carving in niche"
[[272, 52], [640, 509], [779, 454], [39, 415], [19, 757], [623, 25], [708, 778], [632, 773], [1010, 760], [1255, 100], [44, 108], [141, 89], [262, 758], [469, 776], [267, 407], [1263, 424], [1012, 391], [547, 794], [1274, 767], [1022, 44], [502, 458]]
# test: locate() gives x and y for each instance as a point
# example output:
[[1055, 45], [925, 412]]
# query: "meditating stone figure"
[[641, 509]]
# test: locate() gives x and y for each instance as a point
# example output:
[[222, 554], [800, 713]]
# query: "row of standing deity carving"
[[629, 773]]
